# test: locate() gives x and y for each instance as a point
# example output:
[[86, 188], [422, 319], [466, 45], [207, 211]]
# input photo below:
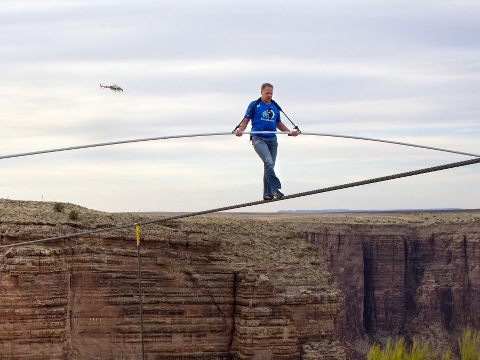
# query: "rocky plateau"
[[232, 286]]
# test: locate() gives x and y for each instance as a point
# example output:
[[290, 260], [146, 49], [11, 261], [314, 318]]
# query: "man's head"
[[267, 92]]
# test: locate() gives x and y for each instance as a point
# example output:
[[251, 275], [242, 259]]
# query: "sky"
[[405, 71]]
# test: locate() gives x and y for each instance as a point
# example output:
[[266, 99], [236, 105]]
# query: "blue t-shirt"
[[264, 118]]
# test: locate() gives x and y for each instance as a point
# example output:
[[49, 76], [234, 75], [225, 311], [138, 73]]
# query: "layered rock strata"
[[211, 289], [411, 280]]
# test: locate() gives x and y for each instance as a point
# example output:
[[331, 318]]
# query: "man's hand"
[[239, 132], [294, 133]]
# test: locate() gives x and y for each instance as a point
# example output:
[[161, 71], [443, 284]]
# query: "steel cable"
[[231, 207]]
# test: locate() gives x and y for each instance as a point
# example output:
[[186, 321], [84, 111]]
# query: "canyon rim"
[[233, 286]]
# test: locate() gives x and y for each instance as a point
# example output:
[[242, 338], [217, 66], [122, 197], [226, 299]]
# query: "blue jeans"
[[266, 148]]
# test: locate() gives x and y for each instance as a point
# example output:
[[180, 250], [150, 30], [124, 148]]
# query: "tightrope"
[[301, 194], [229, 133]]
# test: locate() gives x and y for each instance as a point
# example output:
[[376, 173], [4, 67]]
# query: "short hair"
[[265, 85]]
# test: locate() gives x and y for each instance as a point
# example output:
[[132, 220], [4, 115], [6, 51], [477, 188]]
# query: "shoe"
[[278, 194], [267, 197]]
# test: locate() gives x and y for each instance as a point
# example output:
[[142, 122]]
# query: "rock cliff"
[[234, 287], [417, 278], [212, 289]]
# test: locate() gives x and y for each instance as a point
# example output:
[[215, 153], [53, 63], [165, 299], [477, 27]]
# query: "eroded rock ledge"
[[213, 288], [413, 279], [292, 286]]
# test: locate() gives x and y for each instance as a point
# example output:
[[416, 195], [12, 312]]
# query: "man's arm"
[[281, 126], [242, 127]]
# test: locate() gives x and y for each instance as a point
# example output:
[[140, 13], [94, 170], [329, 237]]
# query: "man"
[[265, 116]]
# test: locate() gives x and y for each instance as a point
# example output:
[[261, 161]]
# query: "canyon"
[[415, 281], [233, 286]]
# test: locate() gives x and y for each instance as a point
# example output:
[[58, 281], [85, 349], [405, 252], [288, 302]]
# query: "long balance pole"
[[230, 134]]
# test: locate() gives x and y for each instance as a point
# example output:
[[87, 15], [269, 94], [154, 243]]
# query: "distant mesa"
[[363, 211]]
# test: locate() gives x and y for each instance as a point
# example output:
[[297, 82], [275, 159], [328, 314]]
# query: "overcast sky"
[[407, 71]]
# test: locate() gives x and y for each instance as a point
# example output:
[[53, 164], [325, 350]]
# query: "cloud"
[[404, 71]]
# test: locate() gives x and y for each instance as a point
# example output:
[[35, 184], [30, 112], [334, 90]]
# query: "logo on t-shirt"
[[268, 115]]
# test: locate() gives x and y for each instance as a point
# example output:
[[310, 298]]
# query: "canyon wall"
[[212, 289], [259, 287], [408, 280]]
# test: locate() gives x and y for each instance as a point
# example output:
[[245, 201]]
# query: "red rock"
[[205, 295]]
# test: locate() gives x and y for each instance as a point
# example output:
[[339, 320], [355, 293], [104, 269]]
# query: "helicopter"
[[113, 87]]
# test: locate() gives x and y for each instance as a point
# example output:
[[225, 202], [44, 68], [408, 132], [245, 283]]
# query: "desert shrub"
[[391, 352], [470, 345], [418, 352], [399, 351], [58, 207], [469, 349], [73, 215]]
